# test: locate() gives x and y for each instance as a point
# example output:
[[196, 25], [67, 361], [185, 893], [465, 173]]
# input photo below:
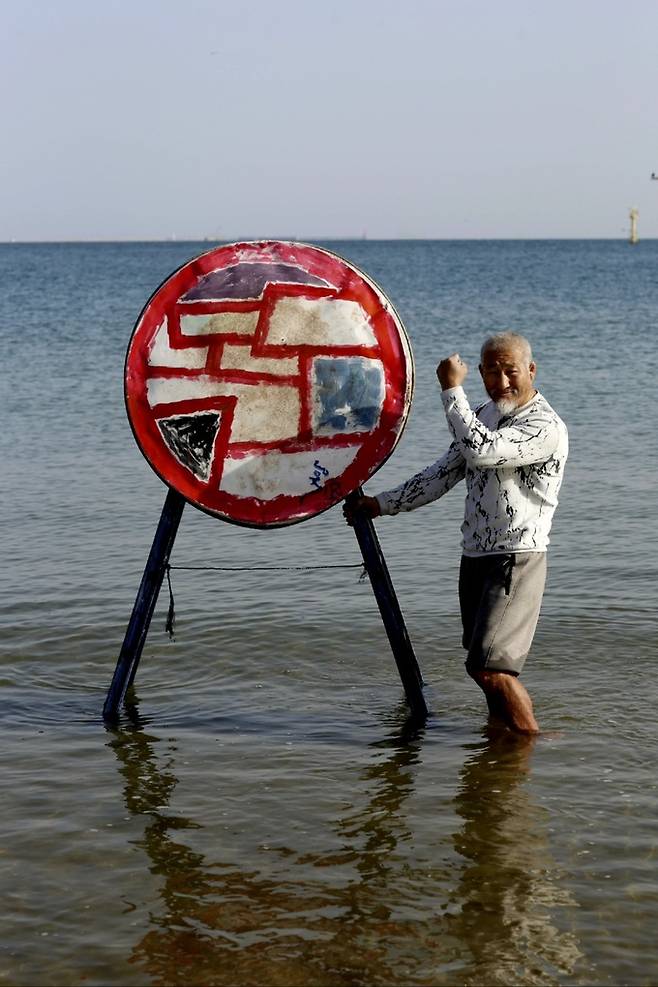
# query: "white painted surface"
[[275, 473], [220, 323], [320, 322], [164, 390], [239, 358], [264, 412], [162, 355]]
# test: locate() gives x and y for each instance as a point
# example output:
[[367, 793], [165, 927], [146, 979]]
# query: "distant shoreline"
[[335, 239]]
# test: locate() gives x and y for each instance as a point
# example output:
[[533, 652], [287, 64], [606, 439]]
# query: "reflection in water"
[[378, 826], [217, 922], [220, 926], [506, 895], [223, 926], [376, 914]]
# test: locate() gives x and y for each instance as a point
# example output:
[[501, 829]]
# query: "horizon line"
[[321, 239]]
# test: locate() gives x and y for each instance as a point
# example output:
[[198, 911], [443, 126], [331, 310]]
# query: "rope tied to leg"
[[170, 622]]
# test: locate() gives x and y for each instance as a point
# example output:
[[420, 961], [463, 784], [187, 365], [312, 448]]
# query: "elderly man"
[[511, 451]]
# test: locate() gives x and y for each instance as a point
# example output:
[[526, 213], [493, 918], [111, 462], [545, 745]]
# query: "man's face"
[[508, 377]]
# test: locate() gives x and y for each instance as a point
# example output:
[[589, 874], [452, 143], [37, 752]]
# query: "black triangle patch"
[[191, 439]]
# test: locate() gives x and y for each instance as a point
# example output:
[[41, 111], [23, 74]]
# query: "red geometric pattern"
[[265, 381]]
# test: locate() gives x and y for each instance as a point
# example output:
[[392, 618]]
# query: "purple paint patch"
[[247, 281]]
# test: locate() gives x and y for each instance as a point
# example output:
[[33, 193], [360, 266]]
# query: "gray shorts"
[[500, 597]]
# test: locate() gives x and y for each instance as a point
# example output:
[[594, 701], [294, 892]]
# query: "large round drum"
[[265, 381]]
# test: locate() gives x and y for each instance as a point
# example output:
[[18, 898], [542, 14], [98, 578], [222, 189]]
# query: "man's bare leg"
[[507, 699]]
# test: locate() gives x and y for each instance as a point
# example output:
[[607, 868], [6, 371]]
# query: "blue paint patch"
[[347, 394]]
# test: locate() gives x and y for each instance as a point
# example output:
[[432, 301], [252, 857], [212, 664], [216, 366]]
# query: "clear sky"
[[130, 119]]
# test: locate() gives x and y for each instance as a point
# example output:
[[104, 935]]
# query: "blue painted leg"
[[390, 611], [138, 625]]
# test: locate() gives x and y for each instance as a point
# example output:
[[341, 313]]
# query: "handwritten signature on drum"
[[319, 472]]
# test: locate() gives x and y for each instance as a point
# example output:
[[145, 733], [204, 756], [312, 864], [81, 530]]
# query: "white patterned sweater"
[[513, 465]]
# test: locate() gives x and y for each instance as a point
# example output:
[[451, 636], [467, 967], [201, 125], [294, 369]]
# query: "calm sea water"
[[266, 817]]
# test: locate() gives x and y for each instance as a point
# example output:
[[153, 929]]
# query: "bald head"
[[508, 341]]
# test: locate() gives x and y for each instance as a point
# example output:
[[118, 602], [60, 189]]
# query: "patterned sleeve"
[[531, 440], [428, 485]]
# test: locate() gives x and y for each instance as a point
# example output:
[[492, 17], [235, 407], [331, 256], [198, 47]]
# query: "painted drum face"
[[266, 381]]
